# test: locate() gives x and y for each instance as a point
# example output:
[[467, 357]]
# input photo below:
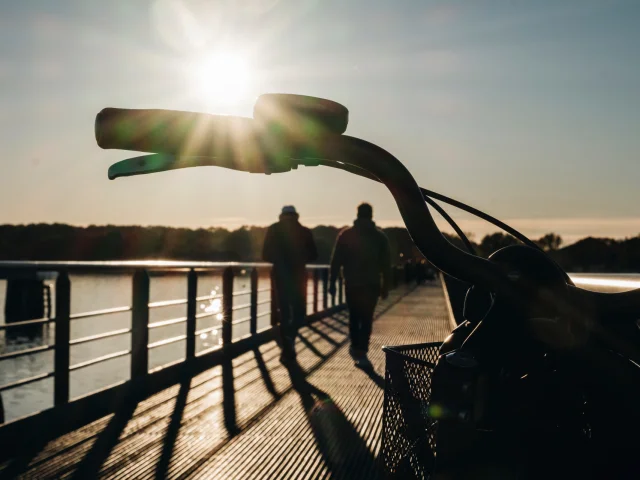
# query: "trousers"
[[361, 300], [292, 312]]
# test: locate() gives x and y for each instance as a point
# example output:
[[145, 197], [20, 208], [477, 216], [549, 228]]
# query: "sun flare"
[[221, 77]]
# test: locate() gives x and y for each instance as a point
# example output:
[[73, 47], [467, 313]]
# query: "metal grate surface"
[[408, 435], [254, 419]]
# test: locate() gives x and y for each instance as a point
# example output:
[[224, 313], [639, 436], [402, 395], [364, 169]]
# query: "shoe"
[[287, 360], [363, 363], [353, 353]]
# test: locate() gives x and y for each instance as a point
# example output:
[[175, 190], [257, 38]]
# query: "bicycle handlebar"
[[187, 139], [244, 144]]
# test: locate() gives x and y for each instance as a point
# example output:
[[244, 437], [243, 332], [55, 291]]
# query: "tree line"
[[110, 242]]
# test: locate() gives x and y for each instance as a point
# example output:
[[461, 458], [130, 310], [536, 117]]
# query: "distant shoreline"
[[129, 242]]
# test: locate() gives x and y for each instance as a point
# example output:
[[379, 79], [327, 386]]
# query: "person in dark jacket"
[[289, 247], [363, 253]]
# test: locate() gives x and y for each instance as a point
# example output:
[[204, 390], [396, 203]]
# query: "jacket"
[[289, 246], [363, 253]]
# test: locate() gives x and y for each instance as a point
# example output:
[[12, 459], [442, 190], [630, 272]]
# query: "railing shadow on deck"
[[69, 414], [336, 323], [106, 439]]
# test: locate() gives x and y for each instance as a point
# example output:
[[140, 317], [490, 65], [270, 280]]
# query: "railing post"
[[315, 290], [227, 306], [140, 325], [192, 289], [274, 300], [47, 301], [228, 388], [62, 334], [340, 295], [253, 311], [325, 288]]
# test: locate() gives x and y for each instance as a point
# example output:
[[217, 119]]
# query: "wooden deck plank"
[[327, 426]]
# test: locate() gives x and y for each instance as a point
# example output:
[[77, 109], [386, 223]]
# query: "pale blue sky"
[[529, 110]]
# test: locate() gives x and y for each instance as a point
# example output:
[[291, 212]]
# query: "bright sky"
[[529, 110]]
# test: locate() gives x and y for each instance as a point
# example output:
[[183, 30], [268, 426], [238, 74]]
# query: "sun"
[[221, 77]]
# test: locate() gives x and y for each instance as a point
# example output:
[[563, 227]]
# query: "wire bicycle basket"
[[408, 432]]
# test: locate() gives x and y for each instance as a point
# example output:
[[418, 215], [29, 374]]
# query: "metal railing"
[[140, 325]]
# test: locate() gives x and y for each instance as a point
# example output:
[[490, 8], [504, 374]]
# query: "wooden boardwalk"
[[254, 419]]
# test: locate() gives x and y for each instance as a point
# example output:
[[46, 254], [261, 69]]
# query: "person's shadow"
[[373, 375], [344, 451]]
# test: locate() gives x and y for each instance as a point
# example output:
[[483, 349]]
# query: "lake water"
[[95, 292], [607, 282]]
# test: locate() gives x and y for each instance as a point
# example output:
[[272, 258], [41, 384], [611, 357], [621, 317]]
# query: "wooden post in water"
[[62, 334], [306, 291], [140, 325], [325, 288], [274, 301], [253, 312], [315, 289], [227, 306], [192, 289]]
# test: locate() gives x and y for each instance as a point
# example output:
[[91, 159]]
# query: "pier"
[[230, 411]]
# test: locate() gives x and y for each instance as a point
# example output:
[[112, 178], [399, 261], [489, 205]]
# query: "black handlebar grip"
[[170, 131], [300, 114], [235, 142]]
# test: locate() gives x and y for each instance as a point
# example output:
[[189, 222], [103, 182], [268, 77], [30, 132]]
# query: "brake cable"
[[484, 216], [451, 222], [427, 194]]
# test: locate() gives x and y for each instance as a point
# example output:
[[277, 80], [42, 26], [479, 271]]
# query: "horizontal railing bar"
[[125, 264], [95, 313], [27, 351], [168, 303], [206, 314], [154, 267], [99, 336], [25, 381], [37, 321], [241, 292], [240, 307], [167, 365], [241, 320], [265, 289], [101, 359], [263, 302], [208, 297], [207, 330], [164, 323], [263, 314], [263, 329], [208, 350], [166, 341]]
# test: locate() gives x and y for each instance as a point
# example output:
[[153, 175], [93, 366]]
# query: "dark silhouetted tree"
[[495, 241], [550, 242], [111, 242]]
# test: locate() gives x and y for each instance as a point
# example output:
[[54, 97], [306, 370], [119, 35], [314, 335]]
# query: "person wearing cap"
[[363, 253], [289, 246]]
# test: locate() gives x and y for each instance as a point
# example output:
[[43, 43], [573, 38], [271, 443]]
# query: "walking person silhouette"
[[289, 246], [362, 251]]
